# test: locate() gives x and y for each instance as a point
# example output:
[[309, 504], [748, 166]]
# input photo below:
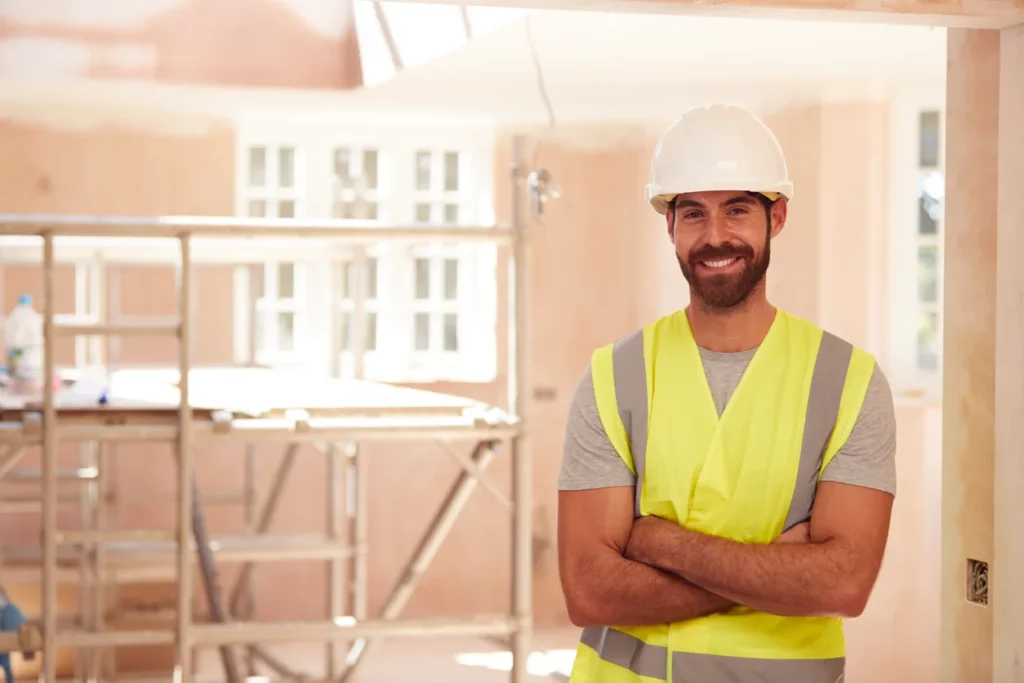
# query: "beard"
[[726, 290]]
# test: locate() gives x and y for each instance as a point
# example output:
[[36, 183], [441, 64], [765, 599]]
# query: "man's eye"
[[692, 214]]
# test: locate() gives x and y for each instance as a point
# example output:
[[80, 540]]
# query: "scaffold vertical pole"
[[49, 601], [335, 574], [522, 473], [186, 470], [357, 503]]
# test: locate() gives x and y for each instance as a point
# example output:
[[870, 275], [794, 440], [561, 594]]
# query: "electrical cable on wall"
[[540, 183]]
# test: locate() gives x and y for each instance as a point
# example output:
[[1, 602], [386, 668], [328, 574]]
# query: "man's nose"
[[715, 230]]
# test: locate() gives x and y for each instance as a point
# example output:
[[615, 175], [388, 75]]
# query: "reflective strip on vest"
[[831, 368], [629, 652], [630, 378], [651, 661], [822, 411], [694, 668]]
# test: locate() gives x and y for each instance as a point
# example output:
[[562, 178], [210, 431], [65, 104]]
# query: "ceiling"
[[596, 67], [601, 66]]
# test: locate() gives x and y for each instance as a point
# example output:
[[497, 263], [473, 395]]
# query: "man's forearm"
[[615, 591], [786, 579]]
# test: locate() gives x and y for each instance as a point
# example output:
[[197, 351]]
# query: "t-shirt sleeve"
[[868, 458], [589, 460]]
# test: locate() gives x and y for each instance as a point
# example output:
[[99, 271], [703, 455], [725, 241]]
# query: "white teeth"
[[718, 264]]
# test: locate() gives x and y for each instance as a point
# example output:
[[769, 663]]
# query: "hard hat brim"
[[659, 197]]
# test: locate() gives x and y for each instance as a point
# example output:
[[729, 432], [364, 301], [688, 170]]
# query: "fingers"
[[801, 533]]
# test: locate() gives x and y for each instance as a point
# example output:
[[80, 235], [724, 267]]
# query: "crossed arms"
[[624, 572]]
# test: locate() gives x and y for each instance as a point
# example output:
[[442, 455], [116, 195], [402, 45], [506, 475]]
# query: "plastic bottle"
[[23, 340]]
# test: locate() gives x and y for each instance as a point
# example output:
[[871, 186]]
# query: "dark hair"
[[765, 201]]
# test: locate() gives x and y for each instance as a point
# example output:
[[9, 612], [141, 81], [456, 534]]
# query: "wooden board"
[[231, 548], [254, 392]]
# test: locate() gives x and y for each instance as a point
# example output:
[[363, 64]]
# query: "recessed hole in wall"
[[545, 393], [977, 582]]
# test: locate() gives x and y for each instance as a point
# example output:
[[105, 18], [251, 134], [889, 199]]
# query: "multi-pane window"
[[356, 194], [929, 233], [438, 198], [355, 183], [436, 301], [273, 182], [274, 189], [347, 304], [438, 187], [280, 304]]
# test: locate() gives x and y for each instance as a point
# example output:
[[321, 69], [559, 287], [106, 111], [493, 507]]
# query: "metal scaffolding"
[[97, 557]]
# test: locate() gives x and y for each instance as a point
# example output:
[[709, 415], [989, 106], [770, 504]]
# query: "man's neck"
[[737, 329]]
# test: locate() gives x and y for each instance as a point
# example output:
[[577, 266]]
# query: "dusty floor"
[[428, 660]]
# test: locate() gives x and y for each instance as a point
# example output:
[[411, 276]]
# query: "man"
[[729, 470]]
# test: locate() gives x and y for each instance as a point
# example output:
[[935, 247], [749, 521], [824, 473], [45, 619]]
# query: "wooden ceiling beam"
[[953, 13]]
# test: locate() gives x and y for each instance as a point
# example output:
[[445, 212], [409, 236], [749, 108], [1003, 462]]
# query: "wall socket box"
[[977, 582]]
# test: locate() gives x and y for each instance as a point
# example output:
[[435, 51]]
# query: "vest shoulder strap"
[[620, 391], [859, 371]]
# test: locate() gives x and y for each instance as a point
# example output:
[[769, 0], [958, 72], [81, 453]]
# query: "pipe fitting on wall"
[[542, 188]]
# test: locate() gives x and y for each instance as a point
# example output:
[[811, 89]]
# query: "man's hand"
[[800, 533], [829, 573]]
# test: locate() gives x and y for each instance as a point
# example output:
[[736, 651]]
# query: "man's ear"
[[777, 214], [670, 222]]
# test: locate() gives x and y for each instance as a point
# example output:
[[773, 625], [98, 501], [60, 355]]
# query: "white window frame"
[[271, 193], [371, 305], [271, 305], [379, 195], [436, 306], [437, 196], [905, 375], [394, 359]]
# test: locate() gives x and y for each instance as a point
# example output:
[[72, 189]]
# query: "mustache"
[[718, 252]]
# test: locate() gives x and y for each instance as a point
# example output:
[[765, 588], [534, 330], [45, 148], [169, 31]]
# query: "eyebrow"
[[733, 201]]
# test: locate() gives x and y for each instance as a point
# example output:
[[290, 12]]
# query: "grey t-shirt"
[[868, 458]]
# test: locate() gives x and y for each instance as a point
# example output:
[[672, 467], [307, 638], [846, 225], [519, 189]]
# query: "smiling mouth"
[[720, 263]]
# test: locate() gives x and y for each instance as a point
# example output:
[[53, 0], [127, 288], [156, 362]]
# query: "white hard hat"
[[717, 147]]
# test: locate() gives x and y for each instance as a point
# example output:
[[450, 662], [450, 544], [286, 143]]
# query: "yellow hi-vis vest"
[[746, 475]]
